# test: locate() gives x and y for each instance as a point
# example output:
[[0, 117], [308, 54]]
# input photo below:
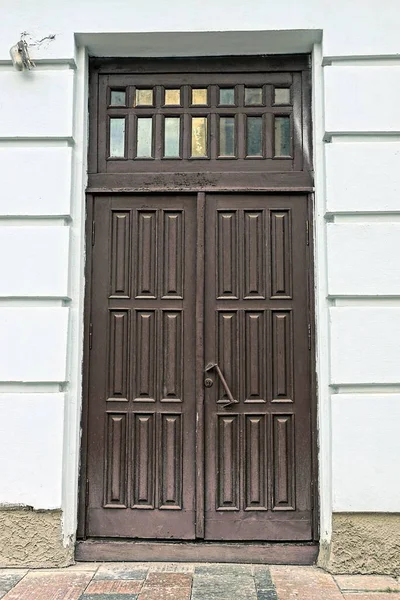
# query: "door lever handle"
[[225, 385]]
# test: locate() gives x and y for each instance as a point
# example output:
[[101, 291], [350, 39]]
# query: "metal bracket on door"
[[225, 385]]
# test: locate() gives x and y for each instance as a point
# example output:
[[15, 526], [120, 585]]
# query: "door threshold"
[[222, 552]]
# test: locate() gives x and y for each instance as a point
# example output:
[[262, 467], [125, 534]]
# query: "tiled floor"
[[178, 581]]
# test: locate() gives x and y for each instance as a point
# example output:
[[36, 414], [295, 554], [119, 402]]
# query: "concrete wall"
[[357, 157]]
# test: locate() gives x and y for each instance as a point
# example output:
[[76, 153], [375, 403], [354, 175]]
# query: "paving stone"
[[108, 586], [9, 578], [77, 567], [267, 594], [120, 571], [223, 569], [372, 596], [233, 587], [109, 597], [154, 592], [45, 586], [166, 567], [181, 580], [368, 583], [263, 579], [305, 583]]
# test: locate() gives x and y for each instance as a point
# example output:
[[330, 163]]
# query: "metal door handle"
[[224, 384]]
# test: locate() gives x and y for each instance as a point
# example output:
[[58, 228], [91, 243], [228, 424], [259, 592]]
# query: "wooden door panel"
[[141, 389], [258, 450]]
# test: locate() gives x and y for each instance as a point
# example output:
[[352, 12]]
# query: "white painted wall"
[[31, 428], [365, 345], [36, 179], [37, 104], [363, 259], [43, 125], [35, 261], [363, 176], [362, 100], [365, 431], [34, 344]]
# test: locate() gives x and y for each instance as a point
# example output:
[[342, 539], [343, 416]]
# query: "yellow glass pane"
[[199, 96], [144, 98], [172, 97], [199, 136]]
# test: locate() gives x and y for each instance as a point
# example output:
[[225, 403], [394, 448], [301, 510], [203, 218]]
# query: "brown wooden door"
[[141, 434], [258, 458], [171, 314]]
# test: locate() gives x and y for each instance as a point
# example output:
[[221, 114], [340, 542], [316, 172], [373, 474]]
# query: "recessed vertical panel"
[[228, 352], [282, 357], [255, 354], [173, 254], [281, 254], [255, 462], [144, 349], [120, 258], [172, 356], [118, 370], [146, 257], [143, 460], [228, 476], [254, 254], [171, 462], [227, 254], [283, 462], [115, 476]]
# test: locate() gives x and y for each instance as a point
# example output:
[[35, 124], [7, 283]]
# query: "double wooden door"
[[199, 400]]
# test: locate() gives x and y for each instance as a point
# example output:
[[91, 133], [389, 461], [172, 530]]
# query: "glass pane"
[[171, 137], [282, 96], [282, 136], [144, 98], [227, 96], [172, 97], [199, 96], [254, 136], [199, 136], [144, 137], [118, 98], [253, 96], [117, 138], [227, 136]]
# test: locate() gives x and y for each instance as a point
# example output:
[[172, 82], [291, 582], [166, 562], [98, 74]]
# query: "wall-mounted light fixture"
[[20, 56]]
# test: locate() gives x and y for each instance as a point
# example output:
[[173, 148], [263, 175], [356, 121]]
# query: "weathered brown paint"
[[183, 495], [258, 463]]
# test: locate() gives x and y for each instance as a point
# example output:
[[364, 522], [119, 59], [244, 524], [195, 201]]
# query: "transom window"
[[190, 117], [200, 121]]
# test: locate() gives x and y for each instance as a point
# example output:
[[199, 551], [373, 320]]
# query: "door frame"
[[303, 553]]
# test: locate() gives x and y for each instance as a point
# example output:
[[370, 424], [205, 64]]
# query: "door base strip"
[[143, 551]]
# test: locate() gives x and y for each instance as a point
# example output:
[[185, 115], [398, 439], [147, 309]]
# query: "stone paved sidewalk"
[[178, 581]]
